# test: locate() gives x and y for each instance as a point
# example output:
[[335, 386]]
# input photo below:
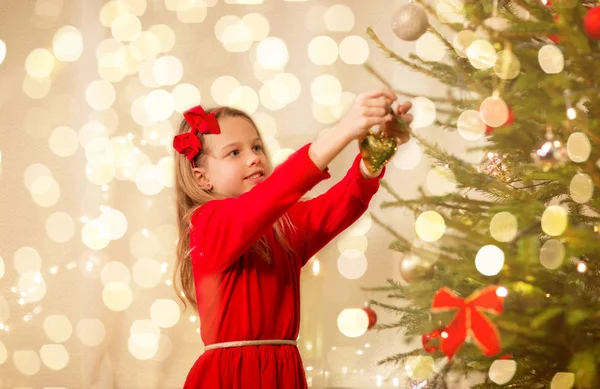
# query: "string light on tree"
[[551, 154]]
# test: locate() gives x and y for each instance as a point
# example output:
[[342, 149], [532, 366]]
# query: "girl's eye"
[[234, 153], [257, 148]]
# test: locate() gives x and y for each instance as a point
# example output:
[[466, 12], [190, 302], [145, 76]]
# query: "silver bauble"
[[410, 22]]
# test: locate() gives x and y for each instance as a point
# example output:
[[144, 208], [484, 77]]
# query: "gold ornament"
[[414, 269], [495, 165], [377, 149]]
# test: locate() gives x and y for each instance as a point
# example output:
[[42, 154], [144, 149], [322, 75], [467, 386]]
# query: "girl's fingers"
[[381, 101], [374, 111], [403, 108], [387, 93], [407, 118]]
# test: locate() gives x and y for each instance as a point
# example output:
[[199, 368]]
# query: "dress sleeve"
[[222, 230], [324, 217]]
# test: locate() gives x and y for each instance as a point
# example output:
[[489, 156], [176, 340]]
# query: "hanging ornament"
[[496, 165], [371, 314], [377, 149], [469, 319], [591, 23], [551, 154], [410, 22], [414, 269]]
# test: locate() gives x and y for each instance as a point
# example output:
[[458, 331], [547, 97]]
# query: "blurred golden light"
[[159, 105], [58, 328], [91, 332], [117, 296], [27, 260], [352, 264], [430, 226], [185, 96], [48, 8], [258, 25], [45, 191], [39, 63], [408, 156], [322, 50], [165, 313], [554, 220], [354, 50], [552, 254], [441, 181], [146, 273], [503, 226], [67, 44], [551, 59], [36, 88], [63, 141], [581, 188], [579, 147], [347, 241], [502, 371], [281, 155], [508, 65], [470, 126], [430, 48], [244, 98], [165, 35], [115, 272], [60, 227], [26, 362], [222, 87], [462, 41], [562, 381], [482, 54], [126, 27], [489, 260], [325, 89], [54, 356], [339, 18], [272, 53], [353, 322], [450, 11], [196, 14], [100, 95], [494, 111]]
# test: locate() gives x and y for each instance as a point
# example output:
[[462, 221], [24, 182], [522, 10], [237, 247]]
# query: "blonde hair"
[[189, 196]]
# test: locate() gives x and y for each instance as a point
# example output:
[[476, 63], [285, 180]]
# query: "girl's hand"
[[369, 109], [401, 131]]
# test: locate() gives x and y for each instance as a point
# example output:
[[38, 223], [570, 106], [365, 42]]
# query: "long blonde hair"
[[189, 196]]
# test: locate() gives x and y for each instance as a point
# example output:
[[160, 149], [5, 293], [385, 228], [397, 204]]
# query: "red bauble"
[[509, 121], [591, 23], [372, 316]]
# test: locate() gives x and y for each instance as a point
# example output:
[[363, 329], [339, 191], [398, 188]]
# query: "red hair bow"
[[188, 143]]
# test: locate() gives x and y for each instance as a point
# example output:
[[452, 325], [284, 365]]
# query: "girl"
[[244, 236]]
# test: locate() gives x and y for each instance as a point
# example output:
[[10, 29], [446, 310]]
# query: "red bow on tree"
[[470, 318], [200, 122]]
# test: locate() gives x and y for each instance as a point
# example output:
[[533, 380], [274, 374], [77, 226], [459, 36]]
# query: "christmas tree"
[[504, 278]]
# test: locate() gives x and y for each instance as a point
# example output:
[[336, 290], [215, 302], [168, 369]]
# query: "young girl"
[[244, 236]]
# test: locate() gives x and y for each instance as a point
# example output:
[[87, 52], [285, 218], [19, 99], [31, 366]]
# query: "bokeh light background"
[[91, 93]]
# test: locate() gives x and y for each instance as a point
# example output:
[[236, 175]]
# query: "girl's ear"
[[202, 178]]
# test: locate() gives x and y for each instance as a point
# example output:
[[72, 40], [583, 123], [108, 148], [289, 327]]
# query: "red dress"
[[242, 297]]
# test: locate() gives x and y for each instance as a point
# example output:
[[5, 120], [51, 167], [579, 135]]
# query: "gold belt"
[[241, 343]]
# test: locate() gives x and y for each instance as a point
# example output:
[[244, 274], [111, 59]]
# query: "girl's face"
[[235, 160]]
